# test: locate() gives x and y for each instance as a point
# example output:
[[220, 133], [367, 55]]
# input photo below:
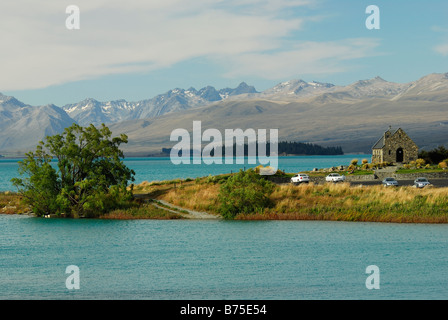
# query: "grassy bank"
[[348, 203], [11, 203], [143, 211], [340, 202], [329, 201]]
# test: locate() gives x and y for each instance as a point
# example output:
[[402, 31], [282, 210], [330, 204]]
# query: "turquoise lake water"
[[158, 169], [166, 260], [194, 259]]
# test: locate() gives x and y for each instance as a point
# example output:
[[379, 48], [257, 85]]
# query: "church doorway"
[[399, 155]]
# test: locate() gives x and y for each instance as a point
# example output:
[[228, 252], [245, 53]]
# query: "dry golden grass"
[[305, 202], [199, 197], [373, 203], [322, 202], [146, 211], [11, 203]]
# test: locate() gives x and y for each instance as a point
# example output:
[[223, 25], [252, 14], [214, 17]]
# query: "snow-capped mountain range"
[[92, 111], [297, 103]]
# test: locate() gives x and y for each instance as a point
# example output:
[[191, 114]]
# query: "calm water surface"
[[149, 259]]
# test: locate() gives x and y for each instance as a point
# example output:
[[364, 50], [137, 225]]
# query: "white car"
[[421, 182], [334, 177], [300, 178], [390, 182]]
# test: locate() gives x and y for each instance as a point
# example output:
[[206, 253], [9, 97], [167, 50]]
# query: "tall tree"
[[88, 178]]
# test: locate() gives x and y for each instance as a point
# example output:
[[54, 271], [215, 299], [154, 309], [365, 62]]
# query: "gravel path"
[[186, 213]]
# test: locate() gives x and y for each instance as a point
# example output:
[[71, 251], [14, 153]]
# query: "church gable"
[[394, 147]]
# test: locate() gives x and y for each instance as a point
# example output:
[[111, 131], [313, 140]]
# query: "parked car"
[[421, 182], [390, 182], [334, 177], [300, 178]]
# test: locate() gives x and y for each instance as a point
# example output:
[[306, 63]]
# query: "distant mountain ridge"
[[315, 112], [92, 111], [22, 126]]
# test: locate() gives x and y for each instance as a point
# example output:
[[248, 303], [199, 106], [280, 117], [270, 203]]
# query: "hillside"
[[352, 116], [355, 126], [92, 111], [22, 126]]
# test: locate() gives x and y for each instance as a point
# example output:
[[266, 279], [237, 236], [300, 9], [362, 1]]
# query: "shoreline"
[[326, 202], [400, 222], [197, 199]]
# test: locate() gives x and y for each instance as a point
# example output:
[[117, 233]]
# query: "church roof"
[[380, 143]]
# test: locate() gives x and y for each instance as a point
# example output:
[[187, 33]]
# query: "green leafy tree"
[[88, 178], [434, 156], [245, 192]]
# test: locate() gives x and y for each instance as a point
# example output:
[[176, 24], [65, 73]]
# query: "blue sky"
[[136, 49]]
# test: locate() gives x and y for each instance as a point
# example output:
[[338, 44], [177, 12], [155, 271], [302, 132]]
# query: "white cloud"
[[442, 49], [139, 36], [308, 58]]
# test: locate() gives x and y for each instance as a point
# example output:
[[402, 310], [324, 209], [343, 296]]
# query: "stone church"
[[394, 147]]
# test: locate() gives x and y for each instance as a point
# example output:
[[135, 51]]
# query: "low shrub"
[[245, 192]]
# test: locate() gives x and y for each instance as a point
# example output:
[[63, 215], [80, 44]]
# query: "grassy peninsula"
[[337, 202], [248, 196]]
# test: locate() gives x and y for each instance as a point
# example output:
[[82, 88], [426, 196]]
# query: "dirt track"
[[186, 213]]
